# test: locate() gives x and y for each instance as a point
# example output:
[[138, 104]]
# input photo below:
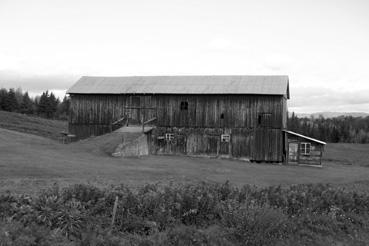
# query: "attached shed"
[[230, 116], [303, 149]]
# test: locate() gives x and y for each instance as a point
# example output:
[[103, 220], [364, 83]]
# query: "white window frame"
[[169, 136], [225, 138], [304, 149]]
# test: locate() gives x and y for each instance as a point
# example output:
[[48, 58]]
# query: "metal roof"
[[216, 84], [302, 136]]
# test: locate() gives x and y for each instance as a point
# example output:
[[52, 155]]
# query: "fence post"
[[114, 211]]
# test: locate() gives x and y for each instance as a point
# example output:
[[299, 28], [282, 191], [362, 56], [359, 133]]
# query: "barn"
[[243, 117]]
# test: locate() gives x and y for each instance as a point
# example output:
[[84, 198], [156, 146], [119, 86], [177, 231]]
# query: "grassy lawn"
[[29, 162], [32, 124], [347, 154]]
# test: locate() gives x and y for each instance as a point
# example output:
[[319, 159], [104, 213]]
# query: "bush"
[[199, 214]]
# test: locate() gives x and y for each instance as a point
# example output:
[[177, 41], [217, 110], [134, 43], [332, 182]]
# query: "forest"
[[343, 129], [45, 105]]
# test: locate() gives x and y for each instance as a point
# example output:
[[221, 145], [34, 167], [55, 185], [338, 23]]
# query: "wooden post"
[[298, 152], [143, 123], [114, 211]]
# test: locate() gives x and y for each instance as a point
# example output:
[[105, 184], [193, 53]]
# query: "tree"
[[42, 104], [3, 96], [19, 95], [63, 108], [47, 105], [27, 106], [10, 104], [52, 105]]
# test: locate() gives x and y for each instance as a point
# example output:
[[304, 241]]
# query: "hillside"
[[30, 163], [32, 125], [331, 114], [347, 154]]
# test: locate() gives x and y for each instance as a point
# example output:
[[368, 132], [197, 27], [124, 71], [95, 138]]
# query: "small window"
[[184, 105], [225, 138], [222, 116], [169, 136], [265, 119], [305, 148]]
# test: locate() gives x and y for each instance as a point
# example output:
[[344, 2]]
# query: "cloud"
[[224, 44], [317, 99], [278, 61], [36, 83]]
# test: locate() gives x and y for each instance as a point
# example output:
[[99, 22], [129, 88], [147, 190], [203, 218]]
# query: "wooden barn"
[[241, 117]]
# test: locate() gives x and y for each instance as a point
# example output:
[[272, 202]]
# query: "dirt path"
[[28, 163]]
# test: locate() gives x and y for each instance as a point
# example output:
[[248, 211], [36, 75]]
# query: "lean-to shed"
[[303, 149]]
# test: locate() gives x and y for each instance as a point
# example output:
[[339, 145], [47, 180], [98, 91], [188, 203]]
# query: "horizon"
[[320, 45]]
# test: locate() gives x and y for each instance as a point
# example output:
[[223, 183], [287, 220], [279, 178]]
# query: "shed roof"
[[215, 84], [305, 137]]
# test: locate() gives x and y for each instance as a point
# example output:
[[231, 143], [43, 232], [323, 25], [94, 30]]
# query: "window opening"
[[225, 138], [184, 105], [265, 119], [305, 148]]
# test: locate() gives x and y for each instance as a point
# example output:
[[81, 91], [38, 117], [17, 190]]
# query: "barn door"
[[134, 110], [211, 145], [181, 144], [225, 144], [261, 145], [293, 152]]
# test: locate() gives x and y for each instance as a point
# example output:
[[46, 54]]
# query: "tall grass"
[[199, 214]]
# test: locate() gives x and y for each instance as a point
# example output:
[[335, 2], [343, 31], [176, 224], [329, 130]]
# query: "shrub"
[[193, 214]]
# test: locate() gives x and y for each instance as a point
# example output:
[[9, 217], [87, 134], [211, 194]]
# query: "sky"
[[322, 45]]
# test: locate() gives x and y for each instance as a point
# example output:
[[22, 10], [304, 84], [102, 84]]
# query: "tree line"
[[46, 105], [346, 129]]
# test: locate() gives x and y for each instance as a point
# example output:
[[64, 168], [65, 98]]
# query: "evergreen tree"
[[52, 105], [19, 95], [3, 96], [63, 108], [11, 103], [47, 105], [42, 104], [27, 106]]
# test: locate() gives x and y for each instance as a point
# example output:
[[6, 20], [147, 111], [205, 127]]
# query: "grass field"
[[29, 162], [347, 154], [32, 124], [179, 210]]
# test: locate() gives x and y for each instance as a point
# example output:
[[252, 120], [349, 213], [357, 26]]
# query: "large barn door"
[[134, 109], [139, 110]]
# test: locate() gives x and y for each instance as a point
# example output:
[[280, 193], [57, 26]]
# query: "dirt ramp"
[[124, 142], [136, 147]]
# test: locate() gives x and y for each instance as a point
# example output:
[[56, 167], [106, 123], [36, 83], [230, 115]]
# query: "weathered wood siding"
[[198, 128], [316, 151], [203, 111], [314, 157]]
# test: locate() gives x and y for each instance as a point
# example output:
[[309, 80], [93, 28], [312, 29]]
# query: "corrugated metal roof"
[[302, 136], [268, 85]]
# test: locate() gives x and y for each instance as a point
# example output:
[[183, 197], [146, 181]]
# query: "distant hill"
[[32, 124], [332, 114]]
